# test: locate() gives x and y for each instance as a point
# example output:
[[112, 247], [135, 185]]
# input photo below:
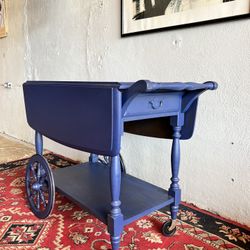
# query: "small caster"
[[169, 228], [40, 187]]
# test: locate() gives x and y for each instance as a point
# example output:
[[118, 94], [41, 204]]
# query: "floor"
[[12, 149]]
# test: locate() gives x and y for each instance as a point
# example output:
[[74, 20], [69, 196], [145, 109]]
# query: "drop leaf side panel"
[[82, 118]]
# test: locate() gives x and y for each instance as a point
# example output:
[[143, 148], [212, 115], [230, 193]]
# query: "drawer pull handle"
[[156, 104]]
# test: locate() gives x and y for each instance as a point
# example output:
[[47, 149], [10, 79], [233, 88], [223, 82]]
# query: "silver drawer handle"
[[156, 104]]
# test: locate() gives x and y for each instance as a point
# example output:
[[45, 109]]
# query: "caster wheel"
[[168, 229], [40, 187]]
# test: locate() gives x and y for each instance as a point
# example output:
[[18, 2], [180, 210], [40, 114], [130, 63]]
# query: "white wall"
[[80, 40]]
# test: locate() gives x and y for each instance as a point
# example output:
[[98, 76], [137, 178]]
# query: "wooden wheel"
[[40, 187]]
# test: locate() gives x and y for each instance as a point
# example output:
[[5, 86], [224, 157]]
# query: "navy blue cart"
[[92, 116]]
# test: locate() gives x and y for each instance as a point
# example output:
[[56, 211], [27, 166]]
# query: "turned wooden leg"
[[39, 143], [176, 122], [115, 218], [175, 190]]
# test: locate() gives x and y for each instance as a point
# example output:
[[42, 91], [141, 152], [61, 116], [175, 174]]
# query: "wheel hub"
[[36, 186]]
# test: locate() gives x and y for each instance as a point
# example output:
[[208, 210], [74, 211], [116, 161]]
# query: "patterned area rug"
[[70, 227]]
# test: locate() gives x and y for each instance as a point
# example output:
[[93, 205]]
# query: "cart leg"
[[115, 218], [39, 143], [174, 189]]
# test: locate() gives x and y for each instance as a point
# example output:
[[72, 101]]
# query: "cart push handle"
[[176, 86]]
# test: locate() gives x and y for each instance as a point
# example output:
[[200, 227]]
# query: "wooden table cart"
[[92, 116]]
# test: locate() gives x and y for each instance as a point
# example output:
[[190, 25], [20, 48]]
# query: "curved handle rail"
[[146, 85]]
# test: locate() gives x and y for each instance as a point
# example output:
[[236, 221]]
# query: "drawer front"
[[152, 105]]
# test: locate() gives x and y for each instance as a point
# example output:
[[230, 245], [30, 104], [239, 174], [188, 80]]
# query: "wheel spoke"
[[34, 173], [32, 195], [43, 179], [43, 199], [38, 200], [43, 173], [38, 172]]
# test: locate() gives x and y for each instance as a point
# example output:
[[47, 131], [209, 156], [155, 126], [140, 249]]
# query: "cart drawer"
[[152, 104]]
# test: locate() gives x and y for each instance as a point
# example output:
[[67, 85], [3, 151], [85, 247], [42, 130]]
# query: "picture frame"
[[3, 18], [143, 16]]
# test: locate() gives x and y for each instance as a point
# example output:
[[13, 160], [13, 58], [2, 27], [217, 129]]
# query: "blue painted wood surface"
[[39, 143], [115, 217], [174, 190], [89, 115], [92, 116], [88, 185]]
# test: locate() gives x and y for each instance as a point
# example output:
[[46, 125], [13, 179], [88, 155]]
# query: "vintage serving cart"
[[92, 116]]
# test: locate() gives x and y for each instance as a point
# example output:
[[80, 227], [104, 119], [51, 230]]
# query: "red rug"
[[69, 227]]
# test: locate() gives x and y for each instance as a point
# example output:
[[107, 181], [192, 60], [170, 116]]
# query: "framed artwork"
[[150, 15], [3, 18]]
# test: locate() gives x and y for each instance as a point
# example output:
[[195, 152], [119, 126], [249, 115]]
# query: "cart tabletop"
[[92, 116]]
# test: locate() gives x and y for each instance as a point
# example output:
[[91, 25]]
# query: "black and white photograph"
[[3, 18], [149, 15]]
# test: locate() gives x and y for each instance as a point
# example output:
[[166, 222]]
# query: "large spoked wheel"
[[40, 187]]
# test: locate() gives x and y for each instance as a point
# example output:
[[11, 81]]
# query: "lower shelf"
[[88, 185]]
